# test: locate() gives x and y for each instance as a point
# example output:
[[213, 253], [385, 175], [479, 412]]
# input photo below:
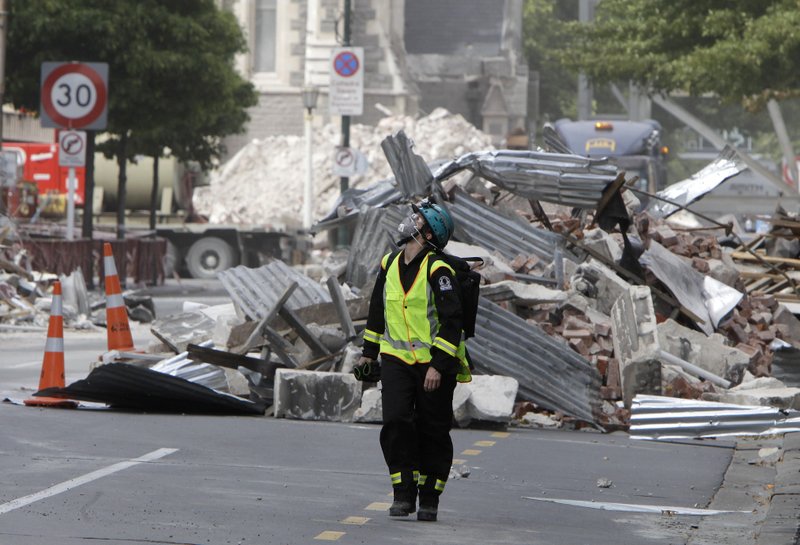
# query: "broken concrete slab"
[[599, 284], [785, 317], [636, 345], [371, 409], [316, 395], [494, 267], [461, 413], [780, 398], [602, 243], [724, 269], [491, 397], [522, 294], [707, 352]]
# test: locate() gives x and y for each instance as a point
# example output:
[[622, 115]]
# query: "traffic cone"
[[119, 331], [53, 365]]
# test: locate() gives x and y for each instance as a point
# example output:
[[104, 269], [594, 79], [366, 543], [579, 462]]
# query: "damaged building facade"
[[462, 55]]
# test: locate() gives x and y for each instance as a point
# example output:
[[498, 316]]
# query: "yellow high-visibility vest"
[[411, 319]]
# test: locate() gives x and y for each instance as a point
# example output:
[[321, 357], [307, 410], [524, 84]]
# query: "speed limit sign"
[[74, 95]]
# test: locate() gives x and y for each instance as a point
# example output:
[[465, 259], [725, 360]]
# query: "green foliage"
[[171, 77], [743, 51], [546, 33]]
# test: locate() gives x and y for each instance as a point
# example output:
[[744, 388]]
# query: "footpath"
[[760, 495]]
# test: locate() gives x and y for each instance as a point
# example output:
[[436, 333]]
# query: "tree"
[[743, 51], [546, 32], [171, 77]]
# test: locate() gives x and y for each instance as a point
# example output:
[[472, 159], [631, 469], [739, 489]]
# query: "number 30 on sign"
[[74, 95]]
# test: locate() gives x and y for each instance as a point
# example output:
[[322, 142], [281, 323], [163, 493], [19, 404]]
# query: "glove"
[[367, 370]]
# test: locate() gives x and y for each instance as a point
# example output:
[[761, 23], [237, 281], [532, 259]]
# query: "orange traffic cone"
[[119, 331], [53, 365]]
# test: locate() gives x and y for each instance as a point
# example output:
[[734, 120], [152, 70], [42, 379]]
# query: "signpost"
[[71, 153], [349, 162], [74, 95], [347, 81]]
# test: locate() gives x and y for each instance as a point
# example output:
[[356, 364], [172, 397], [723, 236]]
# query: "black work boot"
[[405, 500], [428, 507]]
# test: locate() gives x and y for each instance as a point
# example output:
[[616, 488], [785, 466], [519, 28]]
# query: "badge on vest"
[[445, 284]]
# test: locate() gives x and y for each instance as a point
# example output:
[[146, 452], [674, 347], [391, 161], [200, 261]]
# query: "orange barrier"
[[118, 328], [53, 364]]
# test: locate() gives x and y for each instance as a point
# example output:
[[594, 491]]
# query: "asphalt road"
[[76, 477], [106, 477]]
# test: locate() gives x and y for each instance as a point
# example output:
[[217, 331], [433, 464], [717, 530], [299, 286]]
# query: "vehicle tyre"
[[208, 256]]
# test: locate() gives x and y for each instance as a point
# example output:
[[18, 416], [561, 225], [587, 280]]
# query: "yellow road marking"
[[484, 443], [471, 452], [501, 434], [459, 461], [329, 535], [355, 520], [377, 506]]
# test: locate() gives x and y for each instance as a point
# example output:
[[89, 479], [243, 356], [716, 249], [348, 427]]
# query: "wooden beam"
[[341, 308], [258, 332]]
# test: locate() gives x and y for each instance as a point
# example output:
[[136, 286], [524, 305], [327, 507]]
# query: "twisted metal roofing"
[[570, 180], [549, 372], [256, 291]]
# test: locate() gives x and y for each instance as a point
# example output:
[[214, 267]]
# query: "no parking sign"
[[347, 81]]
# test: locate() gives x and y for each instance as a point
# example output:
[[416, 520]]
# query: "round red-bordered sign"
[[99, 90], [346, 64]]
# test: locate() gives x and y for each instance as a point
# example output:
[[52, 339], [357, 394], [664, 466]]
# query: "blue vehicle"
[[634, 146]]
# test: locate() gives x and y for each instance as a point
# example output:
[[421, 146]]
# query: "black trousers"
[[416, 424]]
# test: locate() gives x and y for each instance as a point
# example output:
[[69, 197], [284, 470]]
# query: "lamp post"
[[310, 94]]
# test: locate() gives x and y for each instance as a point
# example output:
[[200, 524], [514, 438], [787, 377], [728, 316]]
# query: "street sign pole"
[[71, 153], [342, 234], [71, 186], [74, 95], [344, 181]]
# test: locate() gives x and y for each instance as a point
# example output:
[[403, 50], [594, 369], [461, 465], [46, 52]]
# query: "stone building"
[[463, 55]]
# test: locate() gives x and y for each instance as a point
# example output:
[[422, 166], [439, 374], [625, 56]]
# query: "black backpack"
[[469, 283]]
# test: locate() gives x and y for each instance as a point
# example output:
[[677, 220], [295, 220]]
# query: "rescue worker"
[[415, 325]]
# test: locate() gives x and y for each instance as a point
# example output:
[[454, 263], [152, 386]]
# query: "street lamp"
[[310, 94]]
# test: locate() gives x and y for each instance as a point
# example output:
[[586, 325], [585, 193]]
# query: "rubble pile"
[[581, 318], [587, 303], [24, 304], [263, 182]]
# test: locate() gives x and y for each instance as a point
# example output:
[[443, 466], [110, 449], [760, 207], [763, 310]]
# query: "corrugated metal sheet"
[[569, 180], [412, 178], [657, 417], [476, 223], [727, 165], [549, 372], [181, 366], [482, 225], [351, 201], [553, 142], [410, 170], [374, 236], [132, 387], [256, 291]]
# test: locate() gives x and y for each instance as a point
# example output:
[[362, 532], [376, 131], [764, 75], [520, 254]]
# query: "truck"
[[194, 248], [634, 146]]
